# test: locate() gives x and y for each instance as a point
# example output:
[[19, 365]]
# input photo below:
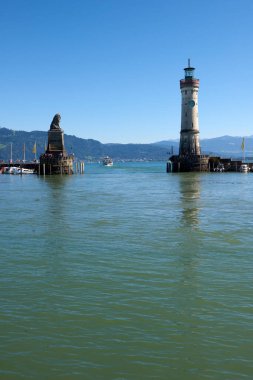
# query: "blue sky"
[[111, 68]]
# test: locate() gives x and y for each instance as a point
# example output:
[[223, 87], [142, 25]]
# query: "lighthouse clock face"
[[191, 103]]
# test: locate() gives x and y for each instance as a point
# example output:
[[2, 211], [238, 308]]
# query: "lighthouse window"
[[185, 114], [185, 92]]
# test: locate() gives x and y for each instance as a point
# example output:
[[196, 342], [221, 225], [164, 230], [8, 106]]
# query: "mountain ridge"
[[93, 150]]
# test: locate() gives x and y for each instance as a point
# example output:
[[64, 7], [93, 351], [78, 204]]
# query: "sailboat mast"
[[11, 152]]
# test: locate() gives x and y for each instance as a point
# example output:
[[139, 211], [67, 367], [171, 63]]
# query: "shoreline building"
[[189, 157]]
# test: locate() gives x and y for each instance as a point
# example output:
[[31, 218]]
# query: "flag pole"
[[11, 153], [34, 150], [243, 149]]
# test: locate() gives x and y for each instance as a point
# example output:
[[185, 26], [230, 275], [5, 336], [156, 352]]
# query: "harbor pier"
[[207, 163]]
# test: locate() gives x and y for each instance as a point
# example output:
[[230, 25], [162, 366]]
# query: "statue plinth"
[[56, 141]]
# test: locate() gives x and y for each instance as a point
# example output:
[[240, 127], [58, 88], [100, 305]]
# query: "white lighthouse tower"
[[189, 134], [189, 158]]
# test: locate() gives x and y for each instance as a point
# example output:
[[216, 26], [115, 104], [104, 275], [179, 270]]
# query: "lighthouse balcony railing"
[[191, 82]]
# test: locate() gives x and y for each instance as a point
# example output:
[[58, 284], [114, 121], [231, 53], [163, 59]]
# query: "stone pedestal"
[[56, 164], [188, 163], [56, 141]]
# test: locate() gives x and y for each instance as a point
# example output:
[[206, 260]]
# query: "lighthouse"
[[189, 135], [189, 158]]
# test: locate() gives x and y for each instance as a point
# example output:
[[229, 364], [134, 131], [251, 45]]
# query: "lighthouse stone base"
[[188, 163]]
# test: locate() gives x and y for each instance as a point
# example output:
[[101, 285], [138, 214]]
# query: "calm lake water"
[[127, 273]]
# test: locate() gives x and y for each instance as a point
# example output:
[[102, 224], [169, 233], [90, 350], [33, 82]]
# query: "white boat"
[[27, 171], [11, 170], [107, 161], [219, 168], [244, 168], [17, 170]]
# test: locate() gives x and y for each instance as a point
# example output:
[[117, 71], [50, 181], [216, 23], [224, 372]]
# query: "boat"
[[219, 168], [11, 170], [17, 170], [244, 168], [107, 161], [27, 171]]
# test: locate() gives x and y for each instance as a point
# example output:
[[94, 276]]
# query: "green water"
[[127, 273]]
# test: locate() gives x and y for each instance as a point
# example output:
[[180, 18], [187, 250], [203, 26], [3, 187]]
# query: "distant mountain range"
[[12, 143], [225, 146]]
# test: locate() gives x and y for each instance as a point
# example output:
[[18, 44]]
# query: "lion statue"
[[56, 122]]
